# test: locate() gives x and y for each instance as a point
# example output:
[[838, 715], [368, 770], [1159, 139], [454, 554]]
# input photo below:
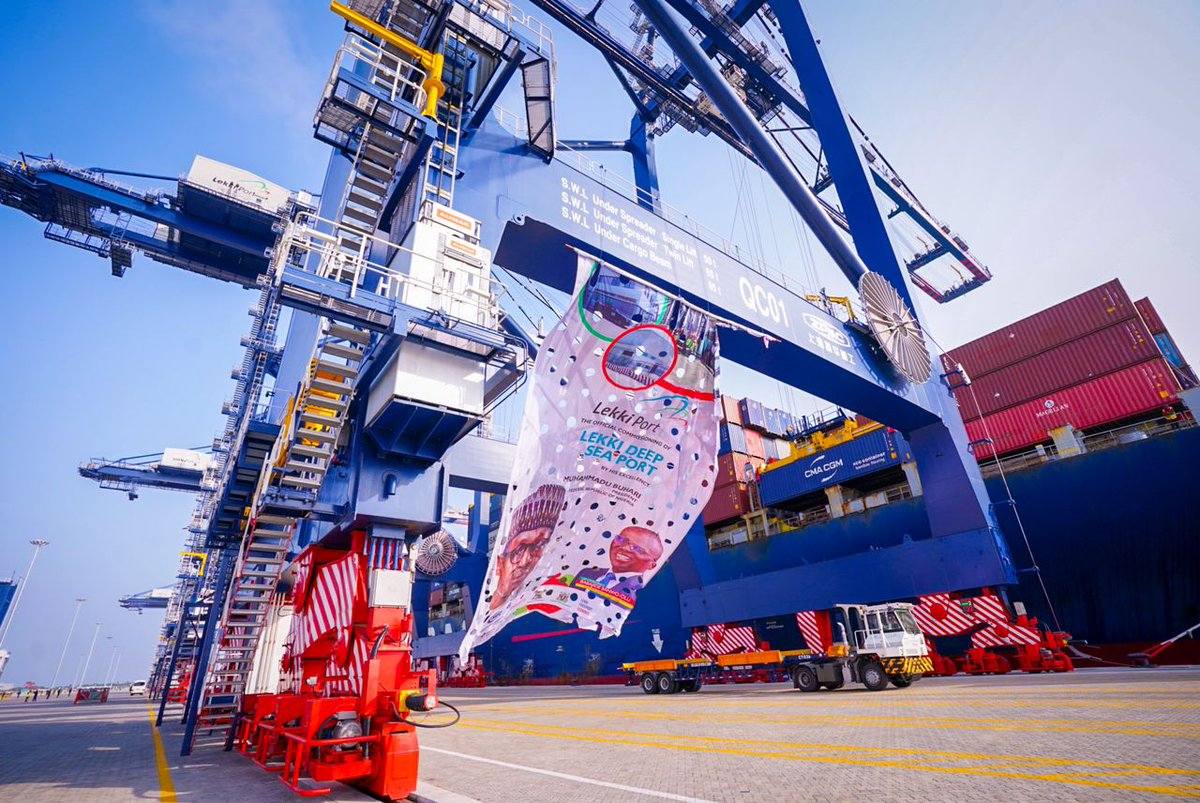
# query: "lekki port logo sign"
[[615, 460]]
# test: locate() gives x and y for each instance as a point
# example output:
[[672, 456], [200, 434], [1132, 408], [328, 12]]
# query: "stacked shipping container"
[[1088, 361], [1166, 344], [751, 435]]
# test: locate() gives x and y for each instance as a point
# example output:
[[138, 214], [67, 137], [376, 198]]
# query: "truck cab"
[[872, 645], [890, 631]]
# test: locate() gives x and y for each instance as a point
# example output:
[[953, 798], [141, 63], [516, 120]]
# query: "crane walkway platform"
[[52, 751]]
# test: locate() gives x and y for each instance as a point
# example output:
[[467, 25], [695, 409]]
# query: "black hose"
[[415, 724]]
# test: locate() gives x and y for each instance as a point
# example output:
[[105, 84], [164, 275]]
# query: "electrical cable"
[[415, 724]]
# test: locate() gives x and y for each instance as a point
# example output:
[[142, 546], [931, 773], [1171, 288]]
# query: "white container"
[[184, 460]]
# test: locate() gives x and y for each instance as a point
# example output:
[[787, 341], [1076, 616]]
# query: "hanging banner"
[[615, 460]]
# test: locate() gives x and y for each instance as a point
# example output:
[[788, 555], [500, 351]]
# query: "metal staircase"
[[299, 461]]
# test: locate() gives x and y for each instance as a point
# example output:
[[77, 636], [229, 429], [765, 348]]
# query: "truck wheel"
[[805, 679], [901, 681], [650, 683], [872, 676], [666, 684], [833, 685]]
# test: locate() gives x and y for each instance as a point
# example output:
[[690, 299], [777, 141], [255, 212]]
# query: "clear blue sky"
[[1057, 138]]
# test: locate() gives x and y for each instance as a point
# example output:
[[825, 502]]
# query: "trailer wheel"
[[666, 683], [650, 683], [901, 681], [872, 676], [693, 684], [804, 678]]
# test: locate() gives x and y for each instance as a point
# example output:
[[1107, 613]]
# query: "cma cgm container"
[[1096, 309], [1073, 363], [856, 458], [1117, 396]]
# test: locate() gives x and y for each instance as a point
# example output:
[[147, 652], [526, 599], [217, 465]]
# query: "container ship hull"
[[1089, 521]]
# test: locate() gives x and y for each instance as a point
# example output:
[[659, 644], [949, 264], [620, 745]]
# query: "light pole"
[[112, 663], [78, 604], [88, 660], [38, 543]]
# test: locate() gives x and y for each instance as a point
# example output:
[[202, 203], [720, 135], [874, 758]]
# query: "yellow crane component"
[[840, 300], [431, 63]]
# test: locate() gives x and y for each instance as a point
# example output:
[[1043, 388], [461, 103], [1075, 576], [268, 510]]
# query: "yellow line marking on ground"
[[165, 784], [632, 740], [1163, 729], [890, 751]]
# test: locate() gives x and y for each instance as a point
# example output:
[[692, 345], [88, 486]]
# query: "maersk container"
[[1150, 316], [1073, 363], [727, 502], [753, 415], [1098, 308], [872, 452], [1109, 399]]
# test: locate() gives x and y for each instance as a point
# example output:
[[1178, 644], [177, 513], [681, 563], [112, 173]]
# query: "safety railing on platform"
[[317, 245], [1094, 442], [511, 18], [400, 79]]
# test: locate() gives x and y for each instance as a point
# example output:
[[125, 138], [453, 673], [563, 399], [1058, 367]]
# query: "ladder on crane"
[[300, 459], [305, 448], [440, 171]]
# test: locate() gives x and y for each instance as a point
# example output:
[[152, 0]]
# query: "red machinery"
[[1000, 643], [342, 712]]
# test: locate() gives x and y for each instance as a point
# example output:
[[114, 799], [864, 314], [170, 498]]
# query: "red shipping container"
[[727, 503], [1154, 324], [730, 411], [1097, 308], [731, 467], [1111, 398], [754, 444], [1070, 364]]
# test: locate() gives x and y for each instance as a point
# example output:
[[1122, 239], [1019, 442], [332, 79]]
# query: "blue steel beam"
[[96, 195], [846, 166], [763, 148]]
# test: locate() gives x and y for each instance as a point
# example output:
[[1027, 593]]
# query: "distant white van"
[[137, 687]]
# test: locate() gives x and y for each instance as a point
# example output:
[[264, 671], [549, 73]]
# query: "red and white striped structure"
[[944, 615], [816, 638], [328, 608], [717, 640]]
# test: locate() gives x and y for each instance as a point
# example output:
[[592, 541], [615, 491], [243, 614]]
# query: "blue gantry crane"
[[172, 470], [376, 400]]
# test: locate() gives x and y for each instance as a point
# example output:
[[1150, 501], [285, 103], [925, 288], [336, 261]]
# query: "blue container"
[[753, 415], [732, 438], [857, 458], [774, 425], [788, 421]]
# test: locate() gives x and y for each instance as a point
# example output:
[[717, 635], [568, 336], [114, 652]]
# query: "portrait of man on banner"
[[615, 460]]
